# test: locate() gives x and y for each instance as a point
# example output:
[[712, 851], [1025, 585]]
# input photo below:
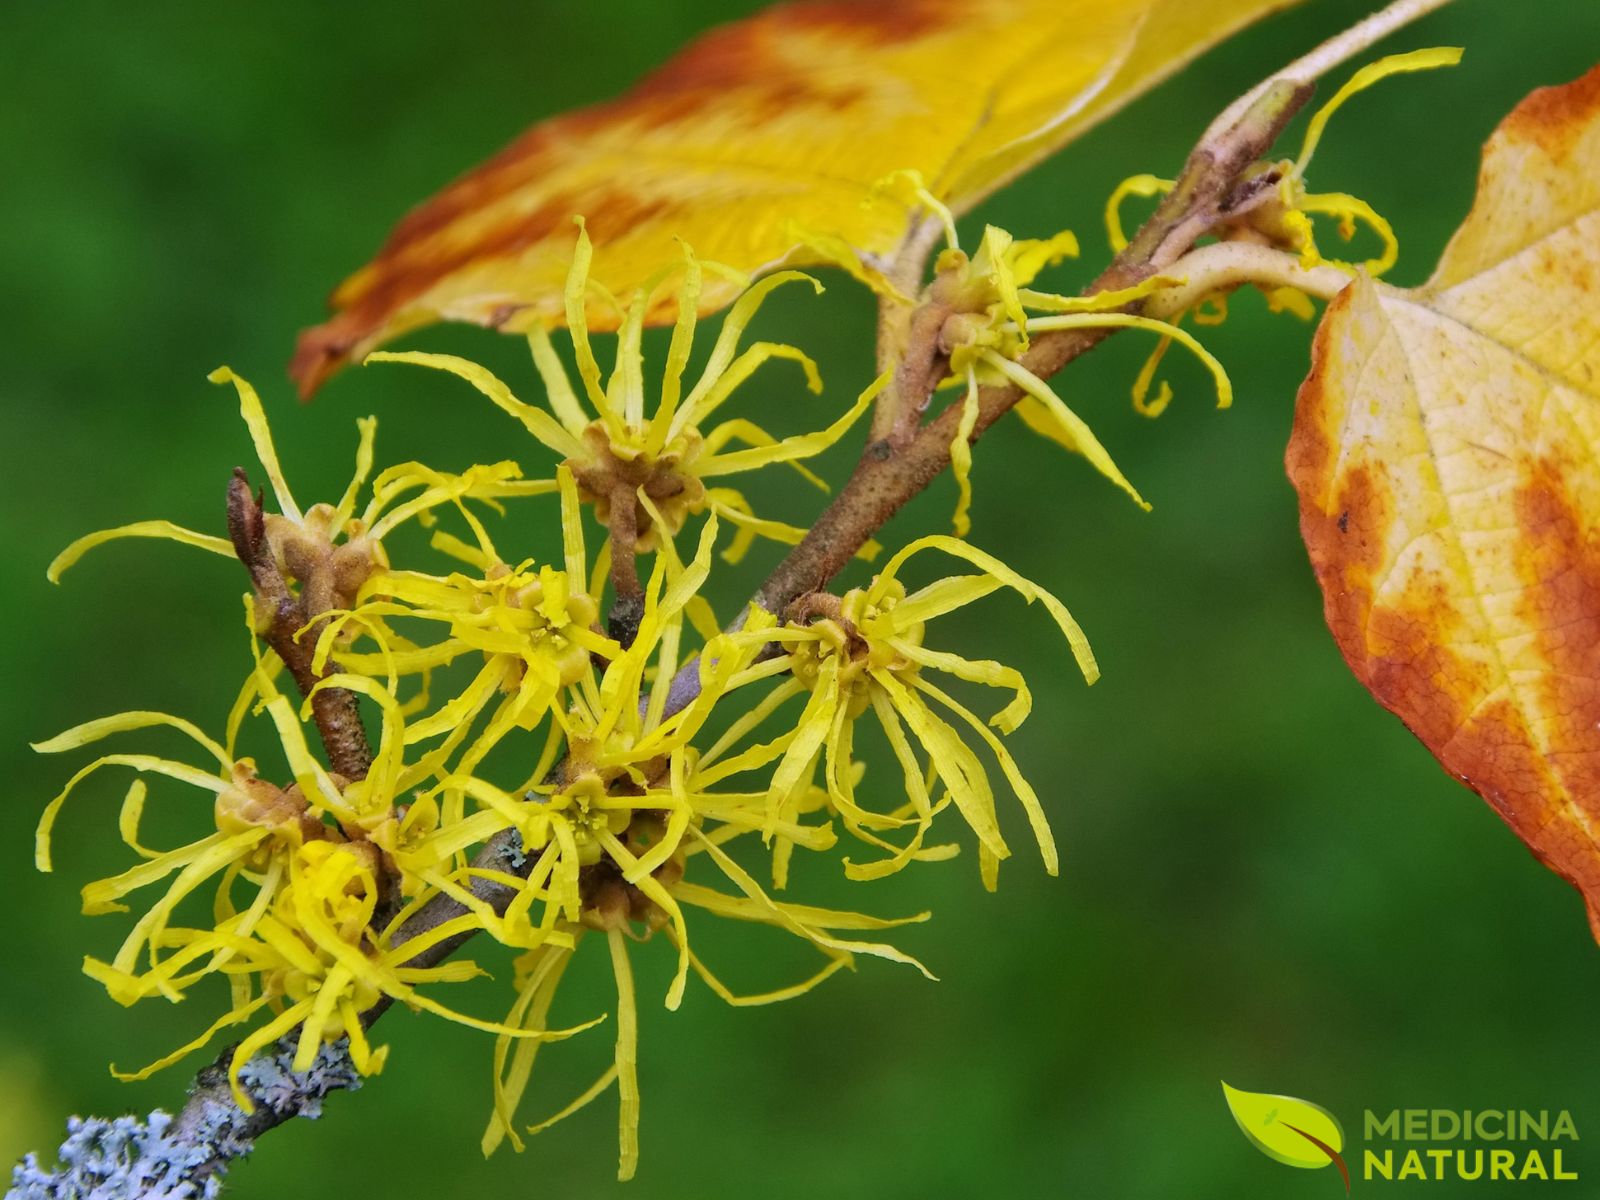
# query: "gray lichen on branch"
[[176, 1158]]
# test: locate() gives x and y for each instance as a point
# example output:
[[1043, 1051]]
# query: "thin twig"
[[896, 317], [627, 604]]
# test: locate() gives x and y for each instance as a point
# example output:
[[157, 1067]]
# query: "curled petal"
[[1393, 64], [137, 529], [1134, 185]]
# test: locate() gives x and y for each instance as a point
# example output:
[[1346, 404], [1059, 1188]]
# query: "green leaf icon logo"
[[1295, 1132]]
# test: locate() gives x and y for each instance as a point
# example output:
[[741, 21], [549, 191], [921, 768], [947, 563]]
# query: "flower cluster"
[[541, 777]]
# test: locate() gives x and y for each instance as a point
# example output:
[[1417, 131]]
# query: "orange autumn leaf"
[[1445, 453], [759, 137]]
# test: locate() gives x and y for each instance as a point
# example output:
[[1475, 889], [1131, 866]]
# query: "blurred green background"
[[1265, 879]]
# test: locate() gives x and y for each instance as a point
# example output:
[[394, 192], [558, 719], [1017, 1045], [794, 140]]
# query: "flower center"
[[616, 470]]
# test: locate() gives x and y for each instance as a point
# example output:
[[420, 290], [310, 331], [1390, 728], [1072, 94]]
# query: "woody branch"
[[906, 450]]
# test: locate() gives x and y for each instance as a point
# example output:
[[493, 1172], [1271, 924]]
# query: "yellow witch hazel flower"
[[865, 652], [991, 313], [306, 935], [331, 544], [313, 958], [617, 452], [534, 627], [618, 907], [989, 330], [256, 825]]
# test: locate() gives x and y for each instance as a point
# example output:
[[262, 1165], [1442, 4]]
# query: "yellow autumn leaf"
[[761, 144], [1445, 453], [1292, 1131]]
